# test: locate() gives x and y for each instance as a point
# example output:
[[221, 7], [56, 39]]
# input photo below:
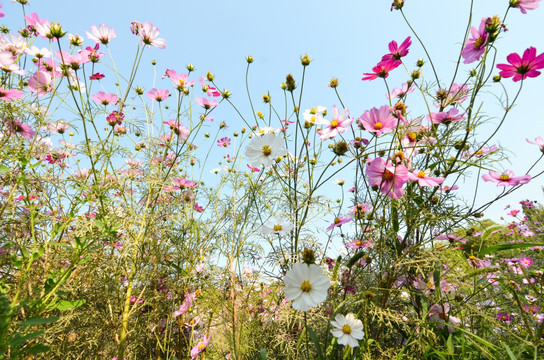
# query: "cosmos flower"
[[306, 286], [539, 142], [149, 35], [339, 221], [378, 121], [507, 178], [347, 329], [277, 226], [158, 94], [446, 117], [524, 5], [475, 46], [105, 99], [263, 150], [223, 142], [522, 67], [10, 94], [101, 34], [337, 125], [396, 51], [440, 313], [423, 178], [388, 177], [381, 70]]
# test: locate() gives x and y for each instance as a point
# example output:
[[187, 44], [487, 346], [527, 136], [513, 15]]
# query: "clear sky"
[[344, 38]]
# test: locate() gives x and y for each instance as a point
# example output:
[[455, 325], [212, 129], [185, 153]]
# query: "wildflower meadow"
[[152, 208]]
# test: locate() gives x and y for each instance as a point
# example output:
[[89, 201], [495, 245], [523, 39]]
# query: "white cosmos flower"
[[347, 329], [306, 286], [277, 226], [263, 150]]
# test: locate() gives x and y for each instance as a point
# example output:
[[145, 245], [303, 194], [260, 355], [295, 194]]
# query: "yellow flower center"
[[412, 136], [358, 243], [306, 286], [337, 220], [378, 126], [504, 177], [313, 111], [387, 175], [266, 150], [181, 82], [346, 329], [421, 174], [334, 123], [478, 43], [278, 227]]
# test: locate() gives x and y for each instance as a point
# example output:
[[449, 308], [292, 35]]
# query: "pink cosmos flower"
[[538, 141], [388, 177], [223, 142], [337, 125], [15, 126], [475, 46], [423, 179], [158, 94], [381, 70], [397, 52], [189, 298], [339, 221], [40, 27], [401, 92], [206, 103], [101, 34], [115, 118], [526, 262], [105, 99], [74, 61], [522, 67], [40, 83], [149, 35], [181, 80], [378, 121], [504, 317], [507, 178], [1, 12], [210, 90], [10, 94], [447, 188], [446, 117], [439, 313], [524, 5], [92, 53], [200, 347], [58, 127]]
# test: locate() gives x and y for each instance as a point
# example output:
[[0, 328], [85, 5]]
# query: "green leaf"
[[67, 305], [18, 340], [263, 353], [35, 165], [503, 247], [38, 321], [38, 349], [313, 336], [509, 352], [449, 344], [3, 169]]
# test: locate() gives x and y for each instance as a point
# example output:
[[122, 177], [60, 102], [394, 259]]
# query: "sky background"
[[345, 39]]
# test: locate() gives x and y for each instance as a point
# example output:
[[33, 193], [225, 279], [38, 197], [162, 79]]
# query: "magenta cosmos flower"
[[423, 178], [524, 5], [102, 34], [522, 67], [396, 51], [337, 125], [388, 177], [15, 126], [475, 46], [381, 70], [158, 94], [507, 178], [223, 142], [378, 121]]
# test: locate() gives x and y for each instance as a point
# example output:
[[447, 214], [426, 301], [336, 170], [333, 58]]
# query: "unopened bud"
[[266, 98], [333, 83], [249, 59], [305, 60], [497, 78], [420, 63], [415, 74], [340, 148], [290, 82], [209, 76], [308, 256], [190, 67]]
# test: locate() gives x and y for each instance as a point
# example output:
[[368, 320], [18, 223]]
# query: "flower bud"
[[340, 148], [56, 30], [209, 76], [290, 82], [420, 63], [153, 62], [266, 98], [415, 74], [283, 86], [305, 60], [333, 83], [190, 67], [397, 4], [226, 94], [497, 78], [249, 59], [308, 256]]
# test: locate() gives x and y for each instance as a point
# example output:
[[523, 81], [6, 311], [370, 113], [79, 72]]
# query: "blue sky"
[[345, 39]]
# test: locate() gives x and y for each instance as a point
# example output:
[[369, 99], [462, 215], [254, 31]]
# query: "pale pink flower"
[[105, 99], [200, 347], [158, 94], [206, 103], [101, 34], [181, 80], [40, 83], [10, 94], [74, 61], [524, 5], [189, 298], [507, 178], [177, 127], [339, 221], [223, 142], [439, 313], [58, 127], [475, 46], [149, 35], [388, 177], [38, 53], [41, 26], [538, 141], [337, 125], [15, 126], [446, 117], [401, 92], [423, 179], [378, 121]]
